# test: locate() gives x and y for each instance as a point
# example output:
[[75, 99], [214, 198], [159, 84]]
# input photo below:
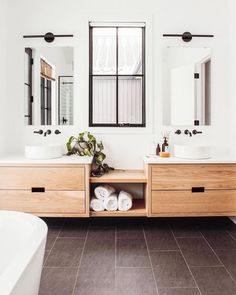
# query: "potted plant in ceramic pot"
[[87, 145]]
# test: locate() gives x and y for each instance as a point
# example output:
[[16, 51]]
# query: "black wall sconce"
[[48, 37], [187, 36]]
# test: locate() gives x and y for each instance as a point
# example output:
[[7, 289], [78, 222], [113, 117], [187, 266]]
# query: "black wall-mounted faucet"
[[187, 132], [57, 132], [39, 132], [47, 132], [196, 132], [178, 132]]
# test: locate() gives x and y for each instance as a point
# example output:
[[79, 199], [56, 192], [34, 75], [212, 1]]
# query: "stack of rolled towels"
[[106, 198]]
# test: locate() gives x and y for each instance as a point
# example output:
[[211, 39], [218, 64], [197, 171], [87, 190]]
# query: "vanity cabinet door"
[[50, 178], [184, 177], [186, 203], [43, 204]]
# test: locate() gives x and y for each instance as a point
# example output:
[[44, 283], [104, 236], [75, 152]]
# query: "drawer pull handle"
[[38, 189], [198, 189]]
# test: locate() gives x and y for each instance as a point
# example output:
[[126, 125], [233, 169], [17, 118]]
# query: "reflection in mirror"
[[48, 86], [186, 86]]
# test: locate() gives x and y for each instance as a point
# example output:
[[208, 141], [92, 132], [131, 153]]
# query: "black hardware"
[[38, 189], [196, 76], [178, 132], [187, 36], [198, 189], [57, 132], [64, 120], [187, 132], [196, 123], [47, 132], [48, 37], [39, 132], [194, 132]]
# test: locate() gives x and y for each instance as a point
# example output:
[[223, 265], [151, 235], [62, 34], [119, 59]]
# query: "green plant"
[[87, 145]]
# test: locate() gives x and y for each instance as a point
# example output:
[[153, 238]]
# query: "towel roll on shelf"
[[103, 191], [97, 205], [125, 201], [111, 203]]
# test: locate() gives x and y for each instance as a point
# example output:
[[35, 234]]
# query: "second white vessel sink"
[[194, 152], [43, 152]]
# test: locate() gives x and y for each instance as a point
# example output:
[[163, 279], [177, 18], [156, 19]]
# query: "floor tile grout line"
[[82, 254], [185, 260], [53, 244], [149, 256], [177, 250], [220, 260], [207, 266], [134, 267], [231, 235]]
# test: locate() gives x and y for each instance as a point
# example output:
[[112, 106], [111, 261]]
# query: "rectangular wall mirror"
[[186, 86], [49, 86]]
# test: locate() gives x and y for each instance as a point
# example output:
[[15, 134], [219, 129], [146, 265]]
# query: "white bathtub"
[[22, 245]]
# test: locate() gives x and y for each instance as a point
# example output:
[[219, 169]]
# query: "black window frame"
[[117, 75], [29, 85]]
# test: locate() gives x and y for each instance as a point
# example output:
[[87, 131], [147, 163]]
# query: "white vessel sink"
[[194, 152], [43, 152]]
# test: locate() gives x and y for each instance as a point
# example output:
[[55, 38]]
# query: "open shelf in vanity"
[[123, 177]]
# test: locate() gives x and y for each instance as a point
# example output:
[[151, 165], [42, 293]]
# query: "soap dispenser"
[[158, 150], [165, 145]]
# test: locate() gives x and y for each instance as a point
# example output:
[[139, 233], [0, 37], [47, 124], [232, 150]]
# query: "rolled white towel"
[[124, 201], [97, 205], [111, 203], [103, 191]]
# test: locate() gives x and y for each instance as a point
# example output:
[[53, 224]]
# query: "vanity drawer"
[[186, 203], [48, 202], [184, 177], [51, 178]]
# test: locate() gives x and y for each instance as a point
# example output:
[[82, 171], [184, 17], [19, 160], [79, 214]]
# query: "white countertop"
[[21, 159], [153, 159]]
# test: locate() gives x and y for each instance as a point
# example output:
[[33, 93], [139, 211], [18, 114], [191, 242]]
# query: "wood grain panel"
[[121, 176], [184, 203], [181, 177], [52, 178], [49, 202]]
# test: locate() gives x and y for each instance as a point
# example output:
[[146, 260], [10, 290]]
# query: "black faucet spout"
[[187, 132], [47, 132]]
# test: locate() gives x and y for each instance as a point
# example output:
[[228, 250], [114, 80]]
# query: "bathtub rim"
[[16, 268]]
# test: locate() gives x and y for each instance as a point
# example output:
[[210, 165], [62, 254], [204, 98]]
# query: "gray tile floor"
[[140, 257]]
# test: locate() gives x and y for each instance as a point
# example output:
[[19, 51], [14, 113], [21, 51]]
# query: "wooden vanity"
[[46, 189], [191, 189], [62, 188]]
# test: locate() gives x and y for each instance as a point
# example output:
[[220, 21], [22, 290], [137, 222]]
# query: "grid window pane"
[[104, 100], [104, 51], [130, 51], [117, 78], [130, 100]]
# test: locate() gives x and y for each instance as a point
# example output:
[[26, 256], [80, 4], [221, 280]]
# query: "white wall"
[[125, 147], [3, 77], [232, 56]]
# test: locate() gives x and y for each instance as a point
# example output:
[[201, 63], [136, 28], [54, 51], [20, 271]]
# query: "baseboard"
[[233, 219]]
